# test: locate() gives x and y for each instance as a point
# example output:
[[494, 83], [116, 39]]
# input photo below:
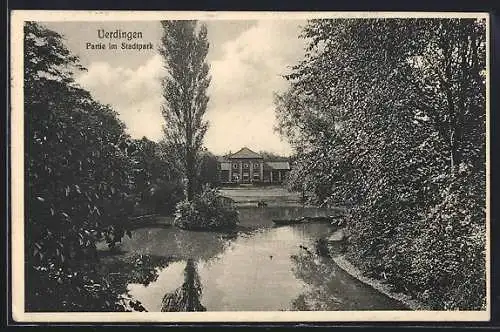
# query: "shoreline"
[[379, 285]]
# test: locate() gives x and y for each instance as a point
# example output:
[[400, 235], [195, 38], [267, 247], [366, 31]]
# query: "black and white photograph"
[[308, 166]]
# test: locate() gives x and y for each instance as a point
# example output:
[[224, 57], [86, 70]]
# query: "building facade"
[[247, 166]]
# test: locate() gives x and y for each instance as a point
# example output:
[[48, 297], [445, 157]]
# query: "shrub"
[[208, 210], [162, 197], [455, 230], [435, 253]]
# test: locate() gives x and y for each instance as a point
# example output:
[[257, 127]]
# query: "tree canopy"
[[79, 185], [184, 47], [387, 116]]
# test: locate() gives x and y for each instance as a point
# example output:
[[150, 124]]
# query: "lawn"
[[272, 196]]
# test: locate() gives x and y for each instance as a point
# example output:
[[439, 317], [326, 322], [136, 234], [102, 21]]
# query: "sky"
[[247, 59]]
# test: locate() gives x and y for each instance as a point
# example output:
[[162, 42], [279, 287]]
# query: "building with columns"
[[247, 166]]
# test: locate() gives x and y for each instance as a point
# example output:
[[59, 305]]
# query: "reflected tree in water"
[[137, 269], [105, 284], [187, 297], [134, 269], [179, 244], [331, 288], [314, 271]]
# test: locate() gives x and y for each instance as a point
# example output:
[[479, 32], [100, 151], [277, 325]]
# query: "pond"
[[261, 268]]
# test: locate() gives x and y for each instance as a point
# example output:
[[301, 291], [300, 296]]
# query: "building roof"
[[245, 153], [278, 164]]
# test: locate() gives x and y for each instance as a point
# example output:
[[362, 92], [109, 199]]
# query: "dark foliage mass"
[[207, 210], [85, 178], [157, 180], [208, 170], [79, 184], [387, 116]]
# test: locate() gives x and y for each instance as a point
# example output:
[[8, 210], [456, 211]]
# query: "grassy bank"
[[272, 196]]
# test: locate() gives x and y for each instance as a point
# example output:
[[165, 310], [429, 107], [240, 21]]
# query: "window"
[[245, 165], [235, 166], [256, 176], [256, 165]]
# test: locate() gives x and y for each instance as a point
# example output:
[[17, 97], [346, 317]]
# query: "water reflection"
[[260, 269], [134, 268], [263, 217], [177, 243], [122, 271], [187, 297], [254, 272], [331, 288]]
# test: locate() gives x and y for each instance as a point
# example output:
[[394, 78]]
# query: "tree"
[[184, 47], [157, 185], [208, 170], [271, 156], [389, 116], [78, 186]]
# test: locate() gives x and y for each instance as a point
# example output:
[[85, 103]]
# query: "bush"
[[455, 230], [436, 253], [162, 197], [157, 181], [208, 210]]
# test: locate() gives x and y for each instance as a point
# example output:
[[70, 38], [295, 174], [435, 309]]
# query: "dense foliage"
[[184, 47], [157, 180], [207, 210], [208, 170], [387, 116], [79, 186], [271, 156]]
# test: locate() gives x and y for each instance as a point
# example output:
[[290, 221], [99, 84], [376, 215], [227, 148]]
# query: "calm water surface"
[[268, 268]]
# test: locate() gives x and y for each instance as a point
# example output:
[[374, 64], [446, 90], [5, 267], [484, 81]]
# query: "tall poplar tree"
[[184, 47]]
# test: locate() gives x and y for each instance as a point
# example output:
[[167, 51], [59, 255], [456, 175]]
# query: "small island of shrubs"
[[208, 210]]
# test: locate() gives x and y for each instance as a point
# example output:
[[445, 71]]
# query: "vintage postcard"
[[249, 166]]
